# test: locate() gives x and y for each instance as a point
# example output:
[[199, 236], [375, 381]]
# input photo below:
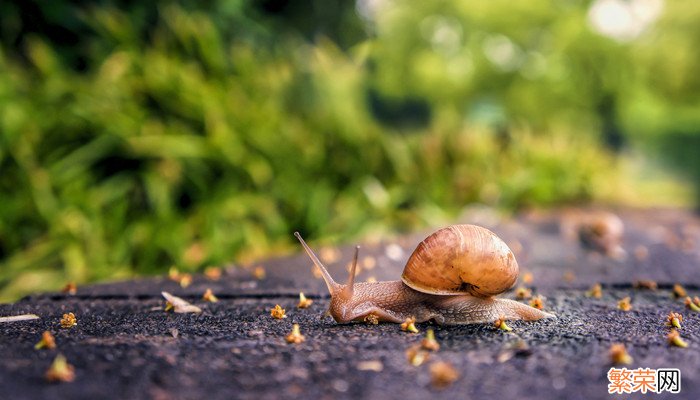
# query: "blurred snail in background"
[[451, 278]]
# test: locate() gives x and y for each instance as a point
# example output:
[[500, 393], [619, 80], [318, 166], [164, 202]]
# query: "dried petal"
[[416, 355], [70, 288], [47, 341], [523, 293], [596, 291], [60, 370], [179, 305], [68, 320], [277, 312], [674, 319], [295, 336], [303, 301], [619, 355], [625, 304], [429, 342], [501, 324], [409, 325], [371, 319], [209, 296], [442, 374], [537, 302], [675, 339]]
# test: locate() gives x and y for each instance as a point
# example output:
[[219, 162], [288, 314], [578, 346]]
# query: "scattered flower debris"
[[523, 293], [16, 318], [303, 301], [70, 289], [212, 273], [528, 278], [277, 312], [69, 320], [429, 342], [646, 284], [409, 325], [60, 370], [394, 252], [259, 272], [679, 291], [625, 304], [674, 319], [618, 354], [173, 274], [329, 255], [596, 291], [47, 341], [209, 296], [369, 262], [185, 280], [179, 305], [372, 319], [537, 302], [295, 336], [372, 365], [442, 374], [501, 324], [416, 355], [675, 339], [693, 304]]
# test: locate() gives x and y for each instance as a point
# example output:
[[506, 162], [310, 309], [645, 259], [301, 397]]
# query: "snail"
[[451, 278]]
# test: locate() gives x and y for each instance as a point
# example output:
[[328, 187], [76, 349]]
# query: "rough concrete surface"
[[126, 346]]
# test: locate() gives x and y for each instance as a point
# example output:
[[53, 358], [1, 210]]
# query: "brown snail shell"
[[461, 259]]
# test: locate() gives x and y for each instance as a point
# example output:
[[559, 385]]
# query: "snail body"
[[451, 278]]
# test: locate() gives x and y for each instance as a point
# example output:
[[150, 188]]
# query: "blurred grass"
[[193, 134]]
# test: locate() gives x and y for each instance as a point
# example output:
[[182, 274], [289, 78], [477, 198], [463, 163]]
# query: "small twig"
[[23, 317]]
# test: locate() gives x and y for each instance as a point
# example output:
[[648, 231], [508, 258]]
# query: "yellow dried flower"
[[619, 355], [693, 304], [416, 355], [646, 284], [68, 320], [303, 301], [442, 374], [213, 273], [47, 341], [674, 319], [523, 293], [679, 291], [60, 370], [259, 272], [537, 302], [295, 336], [625, 304], [596, 291], [278, 312], [675, 339], [528, 278], [209, 296], [409, 325], [372, 319], [429, 342], [185, 280], [500, 323], [70, 288], [174, 274]]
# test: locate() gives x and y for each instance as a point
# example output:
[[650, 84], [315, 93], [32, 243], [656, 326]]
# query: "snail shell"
[[461, 259]]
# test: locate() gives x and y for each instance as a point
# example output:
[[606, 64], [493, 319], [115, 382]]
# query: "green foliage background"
[[135, 137]]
